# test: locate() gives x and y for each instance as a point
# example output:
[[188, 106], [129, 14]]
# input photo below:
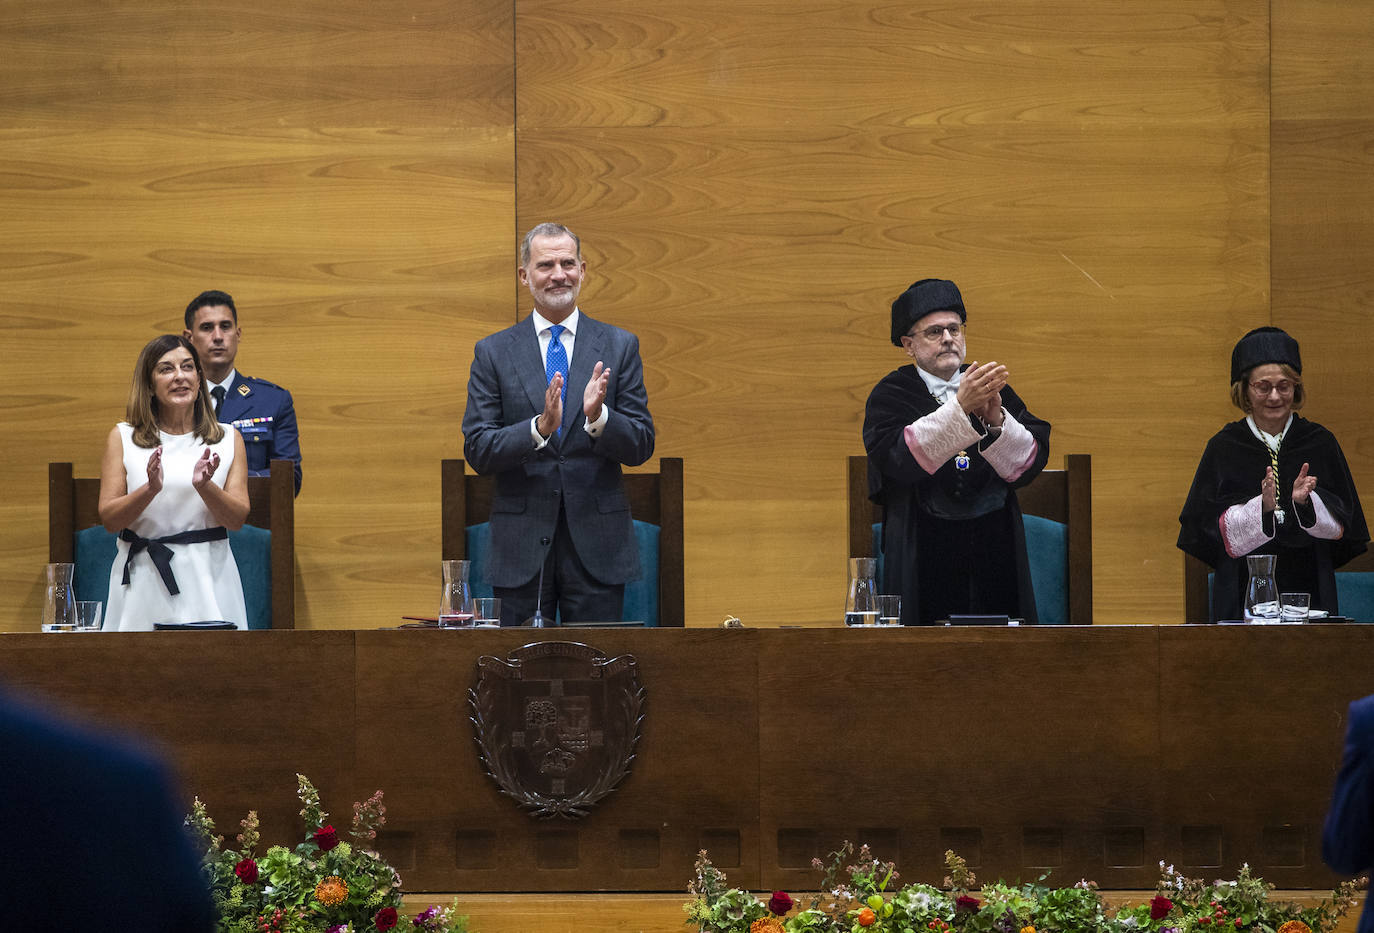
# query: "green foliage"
[[863, 898], [322, 884]]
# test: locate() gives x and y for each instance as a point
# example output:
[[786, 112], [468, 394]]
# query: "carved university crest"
[[556, 724]]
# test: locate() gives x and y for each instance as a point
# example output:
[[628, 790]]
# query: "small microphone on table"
[[537, 621]]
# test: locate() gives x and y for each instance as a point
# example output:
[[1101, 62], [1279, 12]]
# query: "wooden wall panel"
[[755, 182], [1323, 211], [343, 169], [1091, 752]]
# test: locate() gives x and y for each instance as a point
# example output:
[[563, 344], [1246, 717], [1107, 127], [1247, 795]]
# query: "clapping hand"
[[1268, 490], [1303, 486], [551, 418], [981, 387], [155, 471], [595, 393], [205, 468]]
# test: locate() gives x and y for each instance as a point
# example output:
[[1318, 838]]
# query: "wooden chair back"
[[655, 498], [1060, 495]]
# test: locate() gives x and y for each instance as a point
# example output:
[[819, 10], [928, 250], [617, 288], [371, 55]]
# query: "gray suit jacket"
[[505, 390]]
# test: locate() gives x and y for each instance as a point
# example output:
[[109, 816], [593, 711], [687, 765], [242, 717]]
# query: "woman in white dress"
[[173, 483]]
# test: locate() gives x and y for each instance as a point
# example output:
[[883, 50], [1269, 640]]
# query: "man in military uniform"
[[262, 412]]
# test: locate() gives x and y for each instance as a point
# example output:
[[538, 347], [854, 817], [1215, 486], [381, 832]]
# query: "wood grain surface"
[[662, 913], [1323, 211], [754, 182], [1089, 752], [343, 169]]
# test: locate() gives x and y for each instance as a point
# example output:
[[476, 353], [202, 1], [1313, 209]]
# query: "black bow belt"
[[162, 555]]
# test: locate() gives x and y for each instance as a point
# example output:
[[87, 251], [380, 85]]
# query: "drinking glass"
[[486, 612], [88, 613], [1293, 607], [889, 610]]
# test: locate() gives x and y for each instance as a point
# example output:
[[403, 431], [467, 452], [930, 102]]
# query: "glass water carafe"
[[1261, 593], [59, 603], [455, 602], [861, 602]]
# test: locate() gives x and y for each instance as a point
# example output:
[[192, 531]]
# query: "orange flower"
[[331, 892], [1028, 929], [767, 925], [1295, 926], [867, 917]]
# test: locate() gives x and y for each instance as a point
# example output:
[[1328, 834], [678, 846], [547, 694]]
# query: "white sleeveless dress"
[[205, 571]]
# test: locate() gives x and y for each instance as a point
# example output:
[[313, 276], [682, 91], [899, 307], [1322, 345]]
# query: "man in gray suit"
[[559, 514]]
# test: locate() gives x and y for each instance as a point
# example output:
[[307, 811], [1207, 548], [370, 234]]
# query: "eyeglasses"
[[1262, 389], [937, 331]]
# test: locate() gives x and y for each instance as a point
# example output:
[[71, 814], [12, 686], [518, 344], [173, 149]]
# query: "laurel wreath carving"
[[498, 757]]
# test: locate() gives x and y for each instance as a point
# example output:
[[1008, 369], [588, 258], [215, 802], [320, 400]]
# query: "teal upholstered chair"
[[1354, 589], [1057, 510], [657, 598], [264, 548]]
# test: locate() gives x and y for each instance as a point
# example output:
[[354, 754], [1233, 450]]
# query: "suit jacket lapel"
[[524, 351], [587, 349]]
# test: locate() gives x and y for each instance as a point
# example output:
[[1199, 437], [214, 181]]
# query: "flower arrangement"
[[324, 885], [863, 898]]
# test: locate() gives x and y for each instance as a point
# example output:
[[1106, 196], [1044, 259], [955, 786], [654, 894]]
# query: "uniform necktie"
[[218, 393], [557, 362]]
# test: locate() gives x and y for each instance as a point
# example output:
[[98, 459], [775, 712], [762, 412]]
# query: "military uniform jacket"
[[266, 417]]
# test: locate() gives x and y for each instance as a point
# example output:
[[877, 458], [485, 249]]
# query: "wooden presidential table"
[[1092, 752]]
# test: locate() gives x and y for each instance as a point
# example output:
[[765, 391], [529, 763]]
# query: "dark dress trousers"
[[576, 472], [1348, 837]]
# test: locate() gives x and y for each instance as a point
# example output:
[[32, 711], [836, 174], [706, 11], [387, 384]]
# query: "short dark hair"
[[545, 229], [210, 299]]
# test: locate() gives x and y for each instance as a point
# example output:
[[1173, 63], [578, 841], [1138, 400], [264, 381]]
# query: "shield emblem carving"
[[556, 724]]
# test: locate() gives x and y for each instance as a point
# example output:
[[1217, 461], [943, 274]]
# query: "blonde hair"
[[141, 411], [1241, 398]]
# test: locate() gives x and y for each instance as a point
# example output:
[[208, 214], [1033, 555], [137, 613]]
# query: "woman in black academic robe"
[[1272, 483]]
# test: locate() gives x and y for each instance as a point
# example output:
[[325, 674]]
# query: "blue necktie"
[[557, 362]]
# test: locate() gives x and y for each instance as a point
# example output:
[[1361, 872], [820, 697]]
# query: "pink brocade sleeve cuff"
[[1013, 453], [1242, 528], [1326, 526], [940, 435]]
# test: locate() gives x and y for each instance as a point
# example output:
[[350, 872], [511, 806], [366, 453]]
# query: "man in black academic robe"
[[1224, 519], [947, 445]]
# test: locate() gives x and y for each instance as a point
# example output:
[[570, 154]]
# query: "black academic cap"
[[1264, 345], [924, 297]]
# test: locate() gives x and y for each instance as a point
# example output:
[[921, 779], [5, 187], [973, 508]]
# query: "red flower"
[[965, 902], [386, 918], [326, 838], [779, 903], [247, 870], [1160, 907]]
